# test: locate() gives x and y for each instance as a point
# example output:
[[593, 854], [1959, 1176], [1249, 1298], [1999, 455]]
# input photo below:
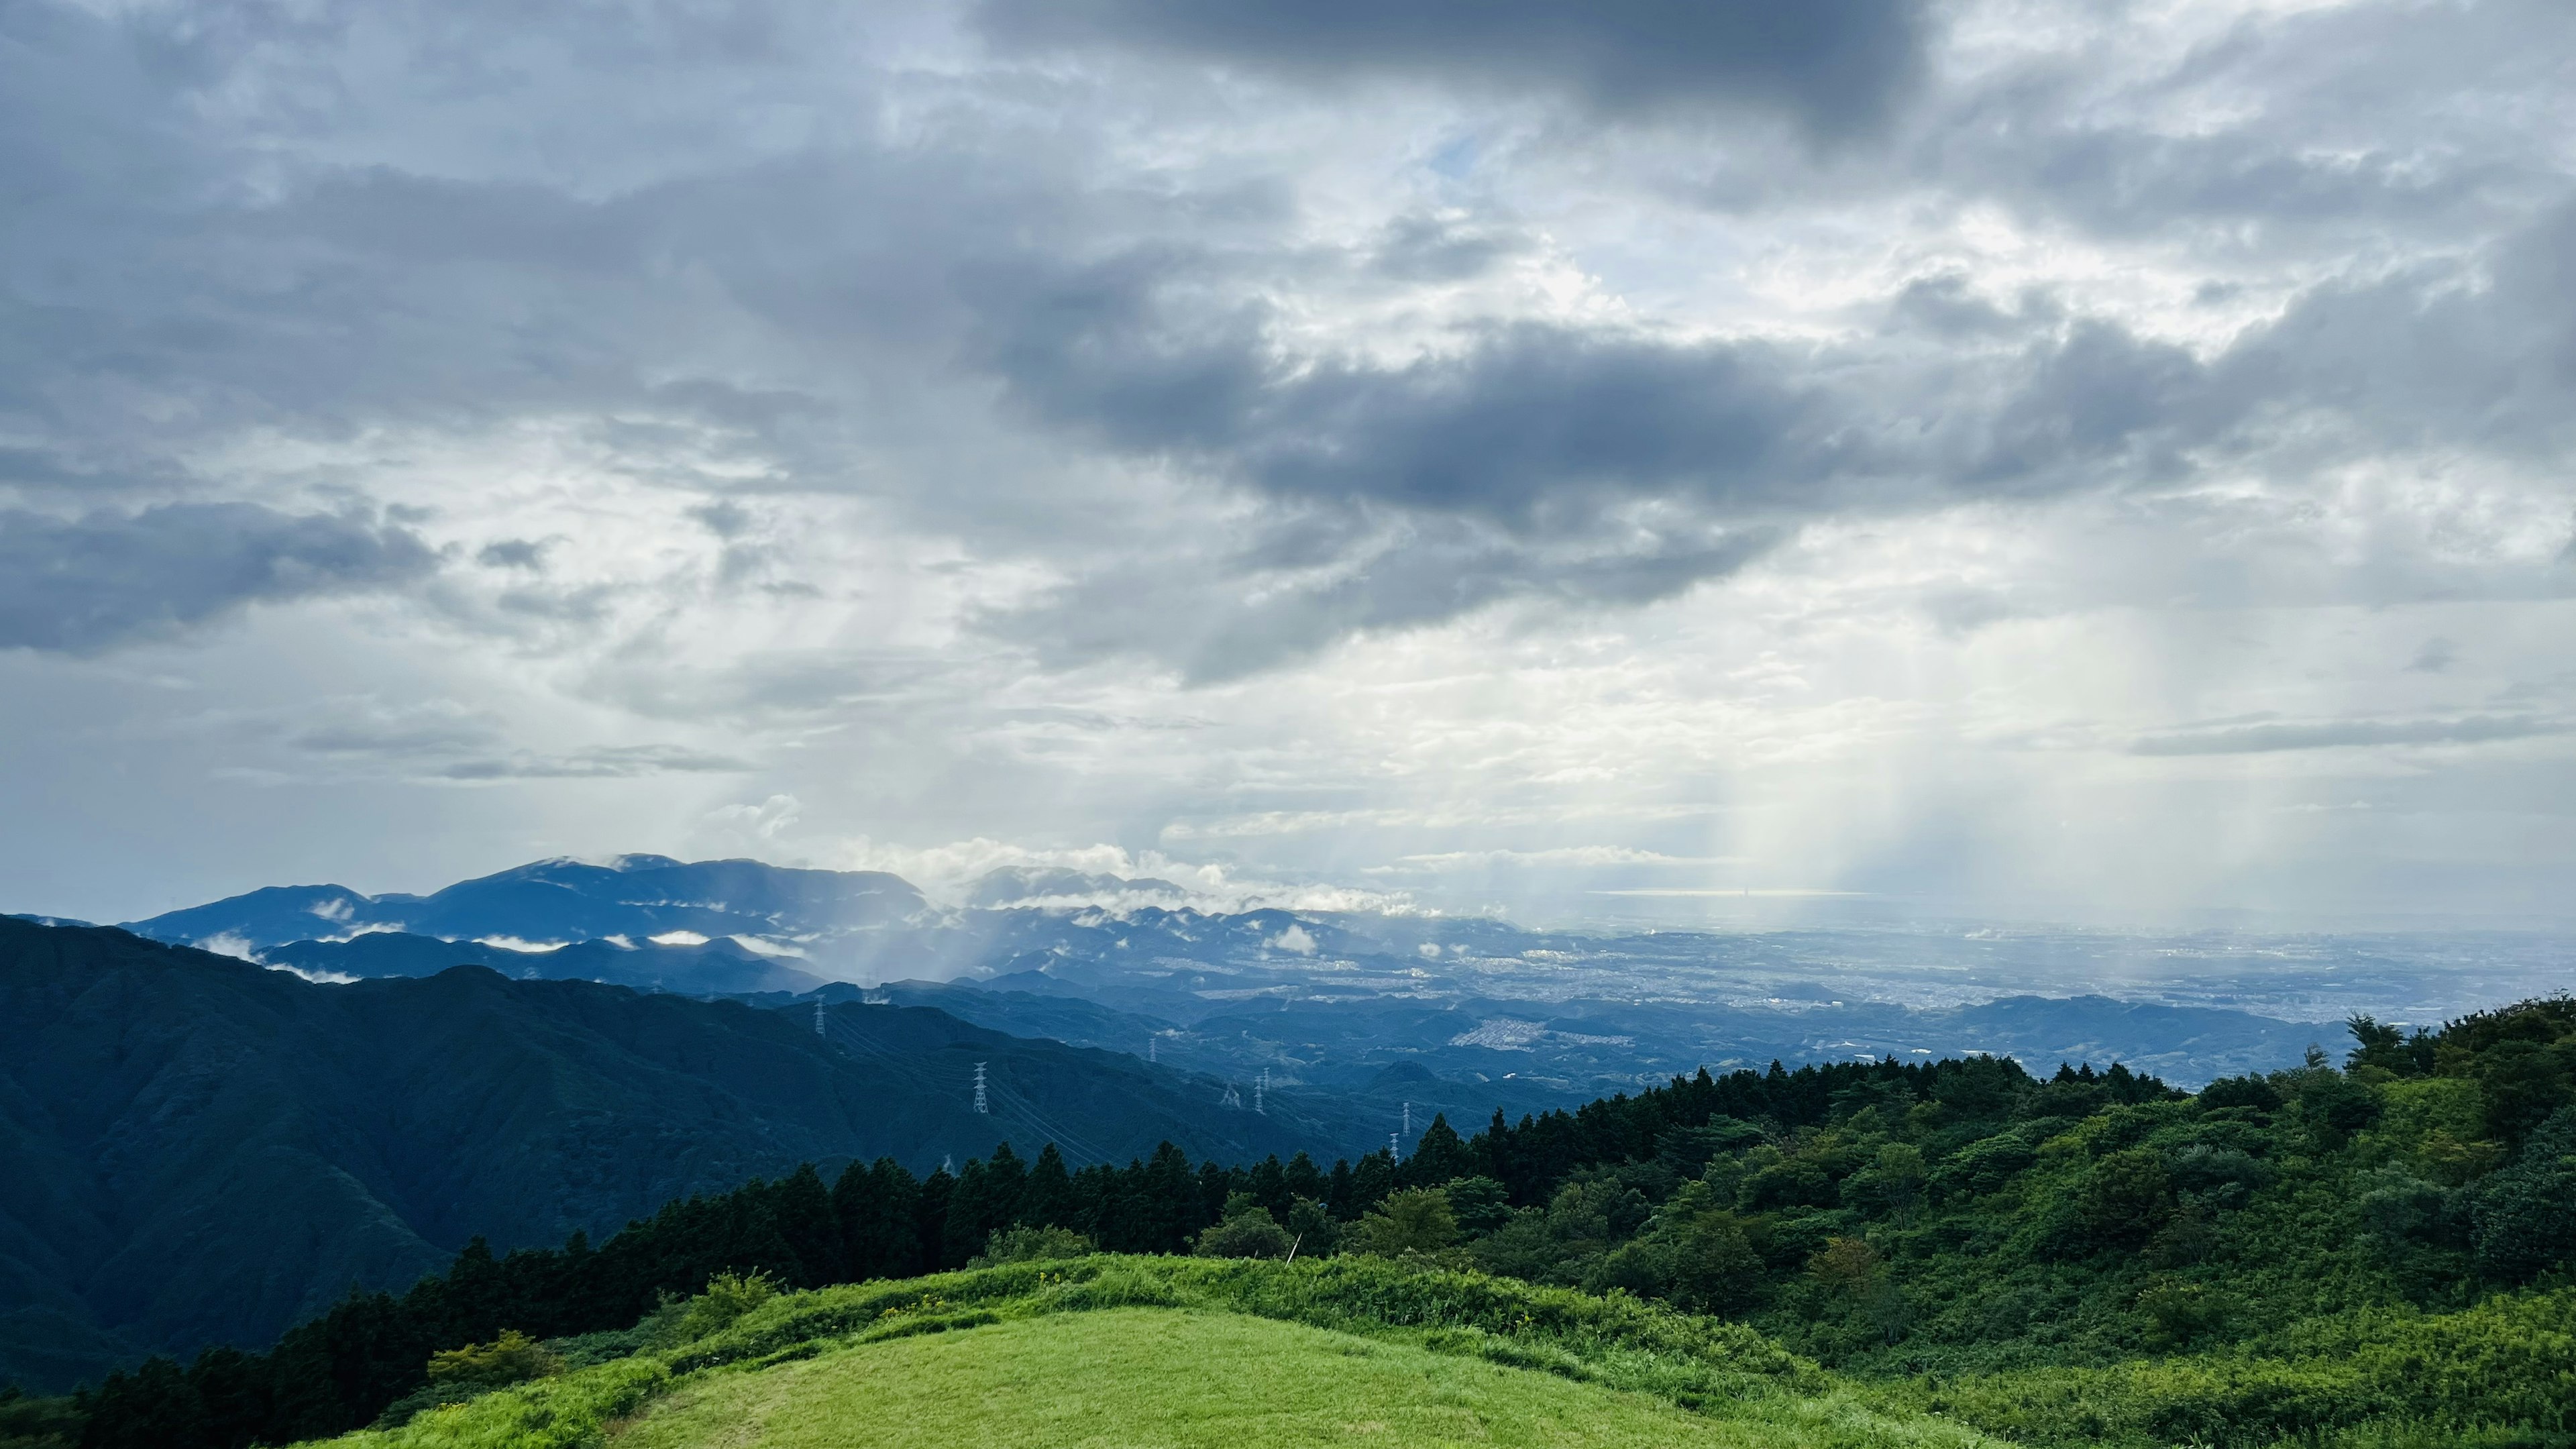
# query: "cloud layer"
[[1988, 455]]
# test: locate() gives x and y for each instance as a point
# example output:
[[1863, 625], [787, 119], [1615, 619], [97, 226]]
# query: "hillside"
[[1244, 1355], [2374, 1257], [195, 1150]]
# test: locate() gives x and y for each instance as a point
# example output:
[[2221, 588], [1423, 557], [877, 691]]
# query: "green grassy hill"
[[1140, 1376], [1164, 1351]]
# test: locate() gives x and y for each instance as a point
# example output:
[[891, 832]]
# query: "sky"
[[2092, 461]]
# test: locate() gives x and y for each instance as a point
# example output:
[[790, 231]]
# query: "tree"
[[2125, 1198], [1481, 1203], [2524, 1217], [1416, 1220], [1438, 1156], [1247, 1230]]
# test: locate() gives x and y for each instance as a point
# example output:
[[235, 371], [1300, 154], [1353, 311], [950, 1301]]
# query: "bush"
[[728, 1297], [512, 1358], [1031, 1245], [1246, 1231], [1418, 1220]]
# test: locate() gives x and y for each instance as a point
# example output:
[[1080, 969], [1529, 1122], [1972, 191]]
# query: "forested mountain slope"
[[196, 1150], [2376, 1255]]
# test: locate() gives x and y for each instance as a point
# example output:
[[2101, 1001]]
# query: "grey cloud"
[[2253, 739], [1427, 249], [1546, 427], [1402, 574], [1542, 461], [615, 762], [108, 578], [724, 518], [1839, 66], [1544, 441], [513, 553], [2378, 126]]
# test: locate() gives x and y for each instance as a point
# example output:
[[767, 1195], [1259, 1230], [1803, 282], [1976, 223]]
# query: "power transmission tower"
[[1394, 1146], [1151, 1043], [1408, 1121], [1261, 1093], [1232, 1097], [979, 1089], [818, 1016]]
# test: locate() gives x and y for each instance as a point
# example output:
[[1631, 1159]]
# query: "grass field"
[[1182, 1351], [1157, 1377]]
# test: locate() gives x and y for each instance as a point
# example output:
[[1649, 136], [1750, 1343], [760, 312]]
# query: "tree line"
[[879, 1220]]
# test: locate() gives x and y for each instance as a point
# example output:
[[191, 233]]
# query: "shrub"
[[1031, 1245], [512, 1358], [1246, 1231], [728, 1296]]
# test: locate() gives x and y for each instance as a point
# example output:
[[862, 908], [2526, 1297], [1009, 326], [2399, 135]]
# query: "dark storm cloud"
[[107, 578], [1545, 460], [1838, 65], [1551, 428], [863, 295], [1202, 616]]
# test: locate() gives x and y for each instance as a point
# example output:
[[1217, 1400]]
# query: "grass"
[[1492, 1360], [1159, 1377]]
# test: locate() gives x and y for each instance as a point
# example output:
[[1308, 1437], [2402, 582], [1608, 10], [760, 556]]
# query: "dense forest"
[[2093, 1256]]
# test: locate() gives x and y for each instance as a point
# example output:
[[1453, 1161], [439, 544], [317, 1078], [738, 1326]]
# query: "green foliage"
[[1246, 1231], [2524, 1217], [1032, 1245], [1417, 1220], [509, 1359], [38, 1423], [728, 1297], [568, 1412], [2305, 1257]]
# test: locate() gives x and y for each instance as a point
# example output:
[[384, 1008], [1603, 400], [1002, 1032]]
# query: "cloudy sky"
[[2096, 460]]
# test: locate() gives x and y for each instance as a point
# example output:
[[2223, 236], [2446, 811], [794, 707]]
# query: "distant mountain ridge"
[[1312, 998], [556, 901], [720, 967]]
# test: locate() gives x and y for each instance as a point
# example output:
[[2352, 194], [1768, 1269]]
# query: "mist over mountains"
[[1334, 998]]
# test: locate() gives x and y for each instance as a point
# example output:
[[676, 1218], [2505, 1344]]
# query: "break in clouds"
[[2102, 461]]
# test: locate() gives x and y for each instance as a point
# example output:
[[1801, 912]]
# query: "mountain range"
[[1312, 998]]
